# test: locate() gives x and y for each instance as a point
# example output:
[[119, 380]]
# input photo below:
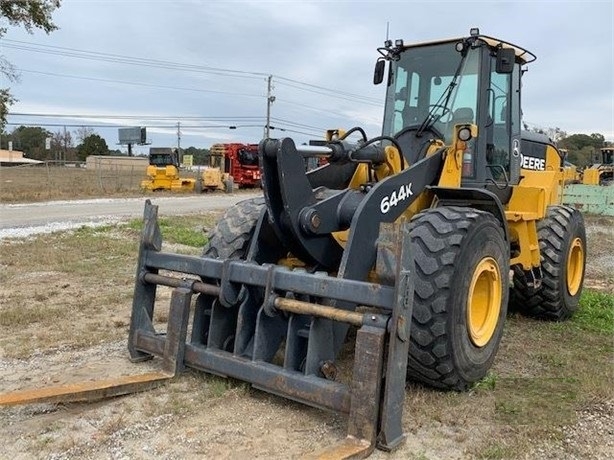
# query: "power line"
[[104, 80], [278, 127], [150, 85], [366, 99], [139, 117], [174, 126], [299, 125], [117, 58], [123, 59], [309, 107]]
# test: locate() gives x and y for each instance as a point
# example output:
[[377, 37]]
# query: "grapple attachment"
[[272, 327]]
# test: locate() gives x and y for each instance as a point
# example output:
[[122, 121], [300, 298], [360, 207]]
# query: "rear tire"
[[460, 296], [232, 234], [562, 244]]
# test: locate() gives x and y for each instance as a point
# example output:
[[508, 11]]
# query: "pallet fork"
[[244, 312], [374, 398]]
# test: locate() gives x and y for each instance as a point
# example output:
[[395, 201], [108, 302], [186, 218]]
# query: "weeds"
[[596, 313], [487, 383]]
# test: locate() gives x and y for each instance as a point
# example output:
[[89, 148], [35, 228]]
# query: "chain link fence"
[[60, 180]]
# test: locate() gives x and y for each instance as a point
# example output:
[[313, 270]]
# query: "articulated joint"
[[533, 277]]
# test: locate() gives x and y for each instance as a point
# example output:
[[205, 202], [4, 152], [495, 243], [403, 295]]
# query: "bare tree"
[[61, 144], [83, 133]]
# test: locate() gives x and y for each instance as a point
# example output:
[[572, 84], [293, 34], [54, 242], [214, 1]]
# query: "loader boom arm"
[[303, 222]]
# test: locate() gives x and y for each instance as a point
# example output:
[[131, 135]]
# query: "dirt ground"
[[198, 416]]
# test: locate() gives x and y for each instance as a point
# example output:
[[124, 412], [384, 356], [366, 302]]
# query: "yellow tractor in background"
[[163, 172], [602, 171], [214, 176]]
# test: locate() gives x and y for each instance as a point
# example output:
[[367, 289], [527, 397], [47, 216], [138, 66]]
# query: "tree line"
[[71, 146], [582, 149]]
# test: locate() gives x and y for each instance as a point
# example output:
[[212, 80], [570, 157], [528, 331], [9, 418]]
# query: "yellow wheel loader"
[[600, 173], [163, 172], [410, 238], [403, 244]]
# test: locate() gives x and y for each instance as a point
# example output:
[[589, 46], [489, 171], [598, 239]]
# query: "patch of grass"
[[487, 383], [219, 386], [178, 234], [28, 313], [420, 456], [497, 451], [186, 230], [596, 312], [545, 372], [536, 401]]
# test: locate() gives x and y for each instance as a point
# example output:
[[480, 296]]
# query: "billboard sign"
[[136, 135]]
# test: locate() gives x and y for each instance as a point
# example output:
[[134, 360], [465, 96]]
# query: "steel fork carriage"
[[246, 315]]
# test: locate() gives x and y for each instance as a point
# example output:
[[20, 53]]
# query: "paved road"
[[54, 215]]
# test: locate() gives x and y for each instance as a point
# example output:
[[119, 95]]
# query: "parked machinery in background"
[[240, 161], [602, 171], [215, 175], [163, 172]]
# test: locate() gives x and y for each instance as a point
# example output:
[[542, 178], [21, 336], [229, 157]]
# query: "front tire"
[[231, 236], [460, 296], [562, 244]]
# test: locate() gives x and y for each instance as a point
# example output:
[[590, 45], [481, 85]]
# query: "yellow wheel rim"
[[484, 301], [575, 266]]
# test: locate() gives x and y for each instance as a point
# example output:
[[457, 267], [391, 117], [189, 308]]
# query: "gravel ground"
[[591, 437]]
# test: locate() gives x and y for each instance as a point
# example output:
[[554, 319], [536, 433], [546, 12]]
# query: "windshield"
[[160, 159], [215, 161], [435, 80]]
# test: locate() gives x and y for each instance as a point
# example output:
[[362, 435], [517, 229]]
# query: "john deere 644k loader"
[[417, 239]]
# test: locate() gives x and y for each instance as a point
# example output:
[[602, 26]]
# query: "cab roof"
[[522, 54]]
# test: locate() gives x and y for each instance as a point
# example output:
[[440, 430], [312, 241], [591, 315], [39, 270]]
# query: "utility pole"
[[65, 145], [179, 141], [269, 101]]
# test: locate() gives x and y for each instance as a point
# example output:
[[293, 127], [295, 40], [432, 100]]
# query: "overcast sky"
[[157, 63]]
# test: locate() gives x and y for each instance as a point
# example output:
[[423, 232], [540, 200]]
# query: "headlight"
[[464, 134]]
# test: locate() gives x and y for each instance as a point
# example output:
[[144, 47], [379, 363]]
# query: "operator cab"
[[607, 156], [162, 157], [432, 87]]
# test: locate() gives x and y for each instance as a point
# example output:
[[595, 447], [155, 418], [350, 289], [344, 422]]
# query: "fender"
[[472, 197]]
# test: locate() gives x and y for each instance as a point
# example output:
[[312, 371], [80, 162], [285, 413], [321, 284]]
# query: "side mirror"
[[506, 57], [380, 68]]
